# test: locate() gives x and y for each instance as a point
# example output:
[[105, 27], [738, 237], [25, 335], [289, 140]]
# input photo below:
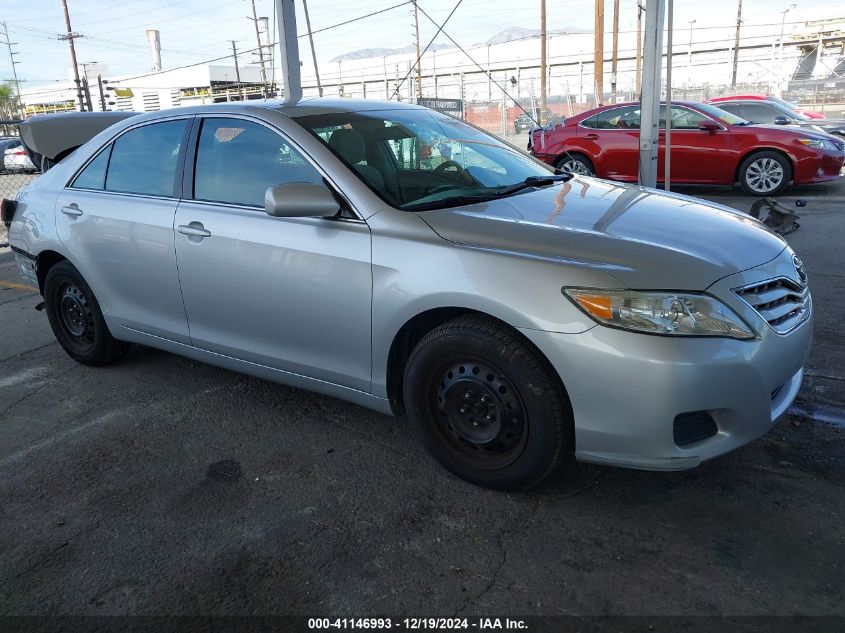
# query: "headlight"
[[661, 312], [817, 143]]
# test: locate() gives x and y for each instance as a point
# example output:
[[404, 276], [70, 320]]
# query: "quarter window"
[[144, 160], [237, 161], [94, 174]]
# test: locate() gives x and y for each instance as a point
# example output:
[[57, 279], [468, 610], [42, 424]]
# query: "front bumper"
[[626, 388], [823, 168]]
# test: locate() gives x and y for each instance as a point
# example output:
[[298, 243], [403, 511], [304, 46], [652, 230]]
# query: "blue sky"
[[196, 30]]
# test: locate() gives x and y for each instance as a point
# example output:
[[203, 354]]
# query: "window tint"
[[682, 118], [94, 174], [144, 160], [238, 160], [615, 119], [758, 113]]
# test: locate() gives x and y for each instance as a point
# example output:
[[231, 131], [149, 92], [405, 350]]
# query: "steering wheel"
[[463, 174]]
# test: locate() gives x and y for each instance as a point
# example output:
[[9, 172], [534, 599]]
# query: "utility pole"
[[254, 19], [639, 47], [650, 98], [615, 59], [311, 41], [543, 54], [689, 54], [667, 150], [70, 36], [419, 61], [13, 63], [237, 68], [289, 50], [598, 58], [736, 42]]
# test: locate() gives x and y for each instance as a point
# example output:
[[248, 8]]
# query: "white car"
[[15, 158]]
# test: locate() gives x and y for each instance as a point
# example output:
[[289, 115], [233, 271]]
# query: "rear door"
[[289, 293], [116, 220], [611, 139]]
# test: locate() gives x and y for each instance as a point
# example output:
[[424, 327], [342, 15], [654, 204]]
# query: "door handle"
[[592, 137], [72, 209], [195, 229]]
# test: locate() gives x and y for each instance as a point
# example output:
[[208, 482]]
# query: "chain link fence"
[[16, 168]]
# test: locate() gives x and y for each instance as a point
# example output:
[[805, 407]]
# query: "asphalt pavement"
[[163, 486]]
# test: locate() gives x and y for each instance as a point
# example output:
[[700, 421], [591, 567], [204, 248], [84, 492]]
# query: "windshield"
[[418, 159], [721, 115]]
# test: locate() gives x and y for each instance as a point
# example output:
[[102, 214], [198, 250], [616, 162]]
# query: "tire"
[[765, 173], [76, 319], [513, 430], [575, 164]]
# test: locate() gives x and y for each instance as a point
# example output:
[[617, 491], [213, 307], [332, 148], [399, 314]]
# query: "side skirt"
[[382, 405]]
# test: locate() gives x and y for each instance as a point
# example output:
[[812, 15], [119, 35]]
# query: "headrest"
[[349, 144]]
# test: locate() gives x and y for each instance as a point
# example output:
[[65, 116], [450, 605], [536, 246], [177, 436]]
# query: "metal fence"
[[16, 170]]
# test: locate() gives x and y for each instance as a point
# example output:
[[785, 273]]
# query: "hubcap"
[[75, 315], [481, 413], [572, 166], [764, 175]]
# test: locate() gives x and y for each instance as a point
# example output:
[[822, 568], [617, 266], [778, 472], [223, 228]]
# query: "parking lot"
[[163, 486]]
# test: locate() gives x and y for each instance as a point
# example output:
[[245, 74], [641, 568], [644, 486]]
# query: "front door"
[[289, 293], [116, 221], [697, 156]]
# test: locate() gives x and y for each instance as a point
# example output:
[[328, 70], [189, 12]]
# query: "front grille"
[[693, 427], [783, 303]]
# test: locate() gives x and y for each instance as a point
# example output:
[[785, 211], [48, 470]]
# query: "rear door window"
[[615, 119], [144, 160], [238, 160]]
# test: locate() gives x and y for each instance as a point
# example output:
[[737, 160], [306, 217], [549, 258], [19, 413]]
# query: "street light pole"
[[780, 52], [689, 54]]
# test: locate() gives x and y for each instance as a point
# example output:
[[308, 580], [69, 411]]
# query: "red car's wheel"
[[575, 164], [765, 173]]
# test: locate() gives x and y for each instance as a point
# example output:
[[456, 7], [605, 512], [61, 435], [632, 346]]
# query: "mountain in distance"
[[518, 33], [507, 35], [366, 53]]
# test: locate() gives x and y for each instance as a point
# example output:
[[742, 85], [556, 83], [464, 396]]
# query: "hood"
[[644, 238]]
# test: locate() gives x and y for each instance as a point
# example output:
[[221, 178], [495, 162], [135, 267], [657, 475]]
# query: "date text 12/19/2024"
[[418, 624]]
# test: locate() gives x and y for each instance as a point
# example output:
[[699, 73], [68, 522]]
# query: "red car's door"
[[611, 139], [698, 156]]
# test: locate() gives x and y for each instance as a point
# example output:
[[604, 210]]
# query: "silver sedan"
[[406, 261]]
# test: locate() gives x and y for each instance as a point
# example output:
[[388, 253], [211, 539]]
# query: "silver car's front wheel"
[[575, 164], [765, 174]]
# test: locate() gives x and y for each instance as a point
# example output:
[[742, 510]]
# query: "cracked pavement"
[[164, 486]]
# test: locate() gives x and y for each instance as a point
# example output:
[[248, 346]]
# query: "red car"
[[709, 146], [787, 104]]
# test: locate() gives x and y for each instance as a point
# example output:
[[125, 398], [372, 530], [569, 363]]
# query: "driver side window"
[[238, 160]]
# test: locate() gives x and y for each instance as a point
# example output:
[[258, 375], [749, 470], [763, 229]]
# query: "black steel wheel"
[[481, 412], [487, 405], [76, 319]]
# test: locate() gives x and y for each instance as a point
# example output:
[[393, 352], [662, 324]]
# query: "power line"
[[420, 56]]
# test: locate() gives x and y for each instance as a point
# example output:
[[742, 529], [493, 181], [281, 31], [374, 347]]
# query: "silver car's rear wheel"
[[575, 164], [765, 174], [76, 318]]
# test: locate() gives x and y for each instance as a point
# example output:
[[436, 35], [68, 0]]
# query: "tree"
[[8, 102]]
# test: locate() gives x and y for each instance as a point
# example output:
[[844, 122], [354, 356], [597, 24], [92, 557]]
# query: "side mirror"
[[300, 200], [781, 120], [708, 126]]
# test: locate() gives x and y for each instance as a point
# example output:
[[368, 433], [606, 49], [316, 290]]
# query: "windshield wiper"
[[450, 202], [533, 181]]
